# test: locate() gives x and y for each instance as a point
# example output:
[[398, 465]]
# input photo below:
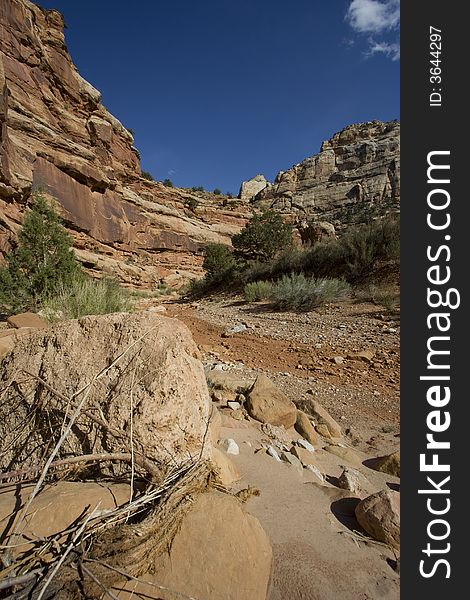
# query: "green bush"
[[198, 188], [263, 238], [86, 296], [192, 204], [217, 192], [168, 183], [257, 290], [219, 263], [297, 292], [42, 262], [147, 175]]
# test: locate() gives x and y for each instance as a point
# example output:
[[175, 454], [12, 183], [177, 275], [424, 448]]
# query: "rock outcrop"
[[55, 134], [249, 189], [355, 176]]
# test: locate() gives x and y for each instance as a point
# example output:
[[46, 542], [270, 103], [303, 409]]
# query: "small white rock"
[[234, 405], [305, 444], [230, 446], [273, 452]]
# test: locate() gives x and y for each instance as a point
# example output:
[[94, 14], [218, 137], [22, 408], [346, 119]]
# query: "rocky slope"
[[56, 135], [355, 176]]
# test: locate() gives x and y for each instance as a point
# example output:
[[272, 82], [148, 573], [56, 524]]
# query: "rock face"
[[143, 371], [250, 188], [56, 135], [356, 173]]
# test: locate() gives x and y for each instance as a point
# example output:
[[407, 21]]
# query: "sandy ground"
[[319, 551]]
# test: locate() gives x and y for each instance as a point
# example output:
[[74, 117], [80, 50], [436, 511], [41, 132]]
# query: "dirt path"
[[311, 355]]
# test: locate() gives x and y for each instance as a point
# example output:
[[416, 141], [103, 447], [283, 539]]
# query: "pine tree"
[[42, 262]]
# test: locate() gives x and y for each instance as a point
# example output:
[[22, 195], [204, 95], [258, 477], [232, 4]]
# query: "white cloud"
[[379, 20], [390, 50], [373, 16]]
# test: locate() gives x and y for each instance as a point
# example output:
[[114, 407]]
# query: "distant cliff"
[[354, 177]]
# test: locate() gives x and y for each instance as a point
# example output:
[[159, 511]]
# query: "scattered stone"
[[27, 319], [313, 469], [345, 454], [304, 426], [239, 328], [305, 456], [227, 382], [266, 403], [230, 446], [276, 433], [354, 481], [288, 457], [273, 452], [389, 464], [324, 422], [379, 515], [364, 355], [234, 405], [304, 444], [338, 360]]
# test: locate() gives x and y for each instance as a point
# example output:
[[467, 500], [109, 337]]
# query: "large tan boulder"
[[389, 464], [143, 366], [56, 507], [219, 553], [266, 403], [379, 515]]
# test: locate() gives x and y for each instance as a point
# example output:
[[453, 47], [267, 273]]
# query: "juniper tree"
[[42, 261]]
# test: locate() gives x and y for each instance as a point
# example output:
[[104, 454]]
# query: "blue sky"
[[217, 91]]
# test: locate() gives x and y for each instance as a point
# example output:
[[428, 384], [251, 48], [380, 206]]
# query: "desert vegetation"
[[42, 272], [266, 265]]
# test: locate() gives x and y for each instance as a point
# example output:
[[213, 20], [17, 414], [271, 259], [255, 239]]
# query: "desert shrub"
[[297, 292], [217, 192], [383, 294], [263, 238], [168, 183], [86, 296], [192, 204], [257, 290], [219, 262], [198, 188], [147, 175], [362, 247], [42, 262]]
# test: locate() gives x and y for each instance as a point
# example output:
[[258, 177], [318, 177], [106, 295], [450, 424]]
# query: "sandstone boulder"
[[57, 506], [379, 515], [253, 186], [324, 422], [389, 464], [305, 428], [140, 365], [354, 481], [266, 403], [347, 454], [219, 553]]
